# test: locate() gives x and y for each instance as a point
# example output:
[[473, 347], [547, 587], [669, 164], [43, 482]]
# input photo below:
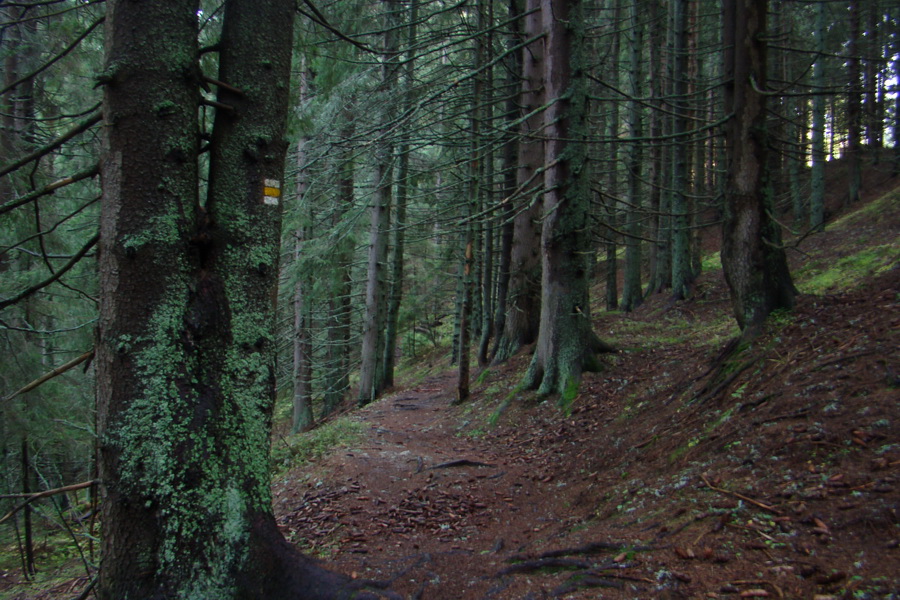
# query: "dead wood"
[[463, 462]]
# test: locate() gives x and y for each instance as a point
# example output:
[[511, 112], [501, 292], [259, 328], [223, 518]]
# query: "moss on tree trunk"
[[186, 351], [566, 342]]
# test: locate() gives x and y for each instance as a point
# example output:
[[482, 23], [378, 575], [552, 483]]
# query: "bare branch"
[[48, 376], [39, 286], [49, 188], [29, 498], [47, 64], [81, 127]]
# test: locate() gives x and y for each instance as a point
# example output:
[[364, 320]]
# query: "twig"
[[31, 497], [65, 269], [87, 590], [839, 359], [223, 85], [740, 496], [759, 582], [81, 127], [50, 188], [463, 462], [48, 376], [544, 563]]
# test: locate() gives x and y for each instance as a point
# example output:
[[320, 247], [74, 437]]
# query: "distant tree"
[[818, 154], [402, 200], [632, 294], [854, 105], [523, 296], [682, 276], [371, 370]]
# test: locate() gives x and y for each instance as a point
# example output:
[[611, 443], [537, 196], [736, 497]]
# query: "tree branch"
[[48, 376], [39, 286], [47, 64], [29, 498], [89, 122]]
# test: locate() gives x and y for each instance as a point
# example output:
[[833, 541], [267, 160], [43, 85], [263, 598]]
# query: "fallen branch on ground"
[[761, 505]]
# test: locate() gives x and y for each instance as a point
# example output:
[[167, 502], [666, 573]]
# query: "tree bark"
[[752, 256], [370, 370], [632, 295], [566, 342], [523, 300], [186, 338]]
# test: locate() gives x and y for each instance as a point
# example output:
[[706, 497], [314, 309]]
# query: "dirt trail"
[[782, 483], [418, 502]]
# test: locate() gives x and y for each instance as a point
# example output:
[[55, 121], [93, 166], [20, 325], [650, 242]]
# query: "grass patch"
[[846, 273], [711, 262], [482, 377], [313, 445], [873, 210]]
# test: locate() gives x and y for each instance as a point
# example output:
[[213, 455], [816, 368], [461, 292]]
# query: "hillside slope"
[[679, 472]]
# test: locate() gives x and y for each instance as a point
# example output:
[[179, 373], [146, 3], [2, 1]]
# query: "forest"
[[449, 299]]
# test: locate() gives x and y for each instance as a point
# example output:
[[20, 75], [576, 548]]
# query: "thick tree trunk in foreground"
[[186, 346], [752, 257], [566, 343]]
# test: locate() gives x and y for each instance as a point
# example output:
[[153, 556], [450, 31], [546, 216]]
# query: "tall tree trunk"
[[632, 294], [658, 268], [487, 192], [818, 153], [752, 257], [681, 253], [871, 52], [566, 342], [610, 199], [186, 336], [339, 306], [523, 303], [510, 153], [403, 176], [470, 208], [372, 354], [854, 107]]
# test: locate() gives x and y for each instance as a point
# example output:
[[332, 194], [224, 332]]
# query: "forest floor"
[[773, 472], [680, 471]]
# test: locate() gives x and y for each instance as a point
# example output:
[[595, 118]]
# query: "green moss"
[[482, 376], [313, 445], [165, 108], [569, 393], [711, 262], [821, 277]]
